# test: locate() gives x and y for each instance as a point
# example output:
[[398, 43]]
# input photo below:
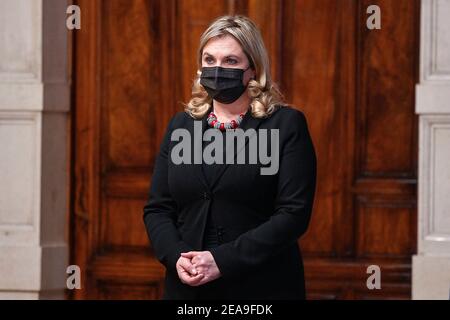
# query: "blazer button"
[[219, 234], [206, 196]]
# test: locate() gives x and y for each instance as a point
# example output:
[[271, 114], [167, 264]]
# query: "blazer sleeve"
[[160, 211], [293, 206]]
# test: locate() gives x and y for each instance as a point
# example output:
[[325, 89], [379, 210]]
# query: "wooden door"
[[134, 61], [357, 88]]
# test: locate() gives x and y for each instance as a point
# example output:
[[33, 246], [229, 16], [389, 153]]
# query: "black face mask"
[[223, 84]]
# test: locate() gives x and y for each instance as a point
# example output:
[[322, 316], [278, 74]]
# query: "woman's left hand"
[[204, 263]]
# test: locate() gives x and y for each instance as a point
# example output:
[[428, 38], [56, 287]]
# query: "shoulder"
[[293, 130], [179, 120], [287, 116], [288, 111]]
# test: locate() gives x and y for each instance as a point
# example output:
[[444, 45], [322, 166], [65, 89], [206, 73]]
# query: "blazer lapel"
[[198, 171], [248, 122]]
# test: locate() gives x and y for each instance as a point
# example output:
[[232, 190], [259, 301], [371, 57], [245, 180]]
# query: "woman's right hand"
[[187, 273]]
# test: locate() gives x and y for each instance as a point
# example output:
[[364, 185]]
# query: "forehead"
[[223, 46]]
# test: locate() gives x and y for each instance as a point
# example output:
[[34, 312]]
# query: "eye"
[[209, 60], [231, 61]]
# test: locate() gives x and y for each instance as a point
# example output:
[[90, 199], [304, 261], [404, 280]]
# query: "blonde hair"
[[264, 94]]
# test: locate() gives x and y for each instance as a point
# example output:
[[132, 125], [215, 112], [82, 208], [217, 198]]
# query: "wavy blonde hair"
[[264, 94]]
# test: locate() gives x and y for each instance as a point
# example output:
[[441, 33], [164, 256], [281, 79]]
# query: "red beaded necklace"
[[222, 126]]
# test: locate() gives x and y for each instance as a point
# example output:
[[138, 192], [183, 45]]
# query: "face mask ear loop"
[[246, 86]]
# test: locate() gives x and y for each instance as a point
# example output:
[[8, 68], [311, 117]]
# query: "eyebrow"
[[229, 56]]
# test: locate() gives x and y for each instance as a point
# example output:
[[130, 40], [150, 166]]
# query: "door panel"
[[134, 66]]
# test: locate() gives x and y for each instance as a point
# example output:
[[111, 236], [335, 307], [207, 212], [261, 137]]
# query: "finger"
[[197, 260], [188, 266], [192, 281], [202, 281], [190, 254], [200, 269], [205, 279], [182, 274]]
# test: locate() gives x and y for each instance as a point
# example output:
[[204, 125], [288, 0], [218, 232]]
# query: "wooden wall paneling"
[[129, 86], [190, 24], [168, 94], [384, 226], [387, 71], [314, 76], [267, 15], [351, 82], [346, 279], [86, 143], [127, 103], [386, 136], [117, 106], [129, 83]]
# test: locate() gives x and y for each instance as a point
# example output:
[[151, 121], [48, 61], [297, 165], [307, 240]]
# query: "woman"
[[226, 230]]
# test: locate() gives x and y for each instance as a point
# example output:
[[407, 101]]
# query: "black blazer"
[[260, 216]]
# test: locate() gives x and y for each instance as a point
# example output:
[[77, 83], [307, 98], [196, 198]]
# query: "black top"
[[211, 237], [261, 216]]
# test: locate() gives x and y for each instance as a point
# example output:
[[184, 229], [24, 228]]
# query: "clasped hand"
[[196, 268]]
